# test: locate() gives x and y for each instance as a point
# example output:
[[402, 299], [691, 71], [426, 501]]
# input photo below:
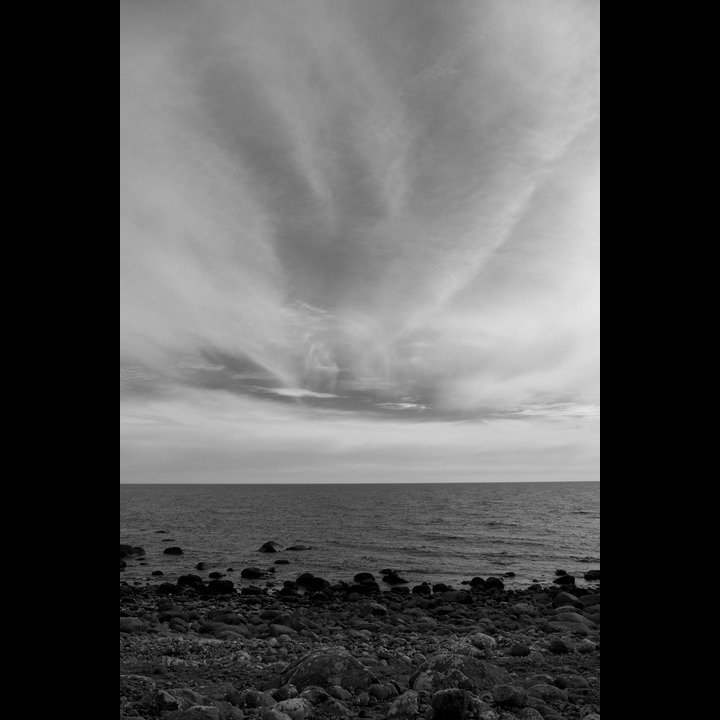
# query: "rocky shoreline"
[[366, 648]]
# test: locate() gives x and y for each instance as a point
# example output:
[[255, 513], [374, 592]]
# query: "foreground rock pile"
[[433, 654]]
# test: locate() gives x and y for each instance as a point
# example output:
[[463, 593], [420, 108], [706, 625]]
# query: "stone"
[[189, 581], [405, 707], [382, 693], [560, 647], [494, 582], [296, 708], [173, 551], [393, 578], [520, 650], [565, 580], [481, 674], [273, 714], [565, 598], [202, 566], [130, 551], [573, 682], [364, 577], [509, 696], [252, 573], [529, 713], [271, 547], [327, 667], [197, 712], [450, 704], [592, 575]]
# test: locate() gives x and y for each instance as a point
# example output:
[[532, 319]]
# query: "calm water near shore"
[[429, 532]]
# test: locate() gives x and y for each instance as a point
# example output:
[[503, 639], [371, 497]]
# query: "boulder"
[[173, 551], [481, 674], [450, 704], [129, 551], [326, 668], [393, 578], [271, 547], [364, 577], [592, 575]]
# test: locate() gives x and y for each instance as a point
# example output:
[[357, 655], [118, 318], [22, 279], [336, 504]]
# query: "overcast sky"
[[359, 240]]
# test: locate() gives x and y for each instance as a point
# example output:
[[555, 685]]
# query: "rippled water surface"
[[434, 532]]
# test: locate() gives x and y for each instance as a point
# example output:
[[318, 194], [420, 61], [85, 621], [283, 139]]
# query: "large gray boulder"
[[326, 668]]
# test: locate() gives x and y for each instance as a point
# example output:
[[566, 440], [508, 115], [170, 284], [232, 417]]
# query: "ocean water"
[[429, 532]]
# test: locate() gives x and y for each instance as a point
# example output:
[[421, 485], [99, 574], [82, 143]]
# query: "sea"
[[438, 533]]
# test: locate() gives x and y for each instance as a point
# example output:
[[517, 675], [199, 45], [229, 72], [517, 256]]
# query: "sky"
[[359, 241]]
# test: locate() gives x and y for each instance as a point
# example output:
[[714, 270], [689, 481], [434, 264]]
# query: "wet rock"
[[173, 551], [271, 547], [328, 667], [169, 589], [252, 573], [130, 551], [592, 575], [157, 573], [422, 590], [560, 647], [202, 566], [393, 578], [565, 580], [494, 583], [450, 704], [364, 577], [189, 581], [509, 696]]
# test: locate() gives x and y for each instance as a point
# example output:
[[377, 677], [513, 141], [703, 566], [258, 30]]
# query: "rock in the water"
[[189, 581], [173, 551], [592, 575], [565, 580], [129, 551], [202, 566], [364, 577], [252, 573], [393, 578], [299, 548], [328, 667], [494, 582], [271, 547]]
